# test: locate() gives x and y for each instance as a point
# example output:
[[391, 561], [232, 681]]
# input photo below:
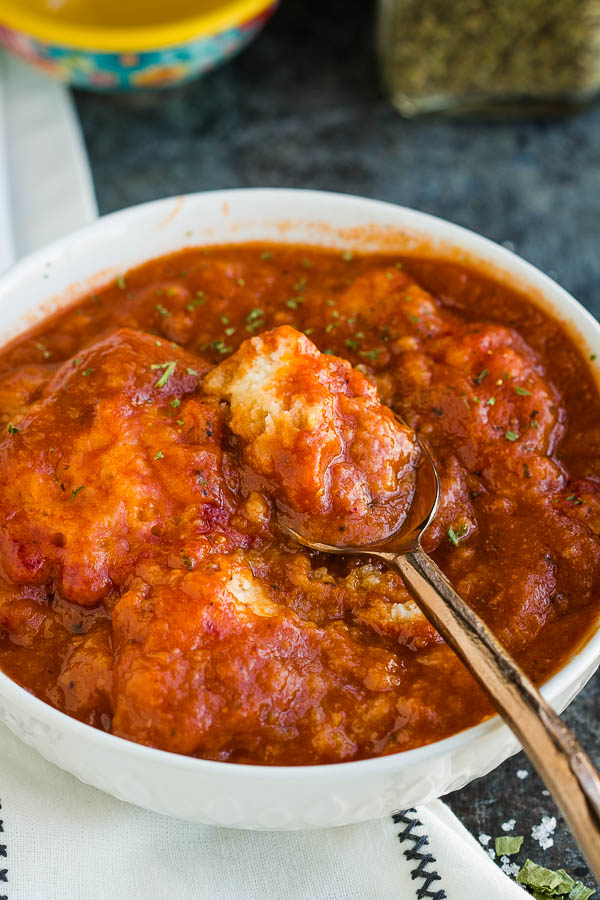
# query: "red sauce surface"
[[144, 585]]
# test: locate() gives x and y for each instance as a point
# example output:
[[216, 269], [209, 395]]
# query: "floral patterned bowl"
[[131, 58]]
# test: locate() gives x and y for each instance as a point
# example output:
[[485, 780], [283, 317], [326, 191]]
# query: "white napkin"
[[66, 841], [63, 840], [50, 186]]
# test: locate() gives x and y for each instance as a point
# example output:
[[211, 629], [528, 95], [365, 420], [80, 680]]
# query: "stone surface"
[[302, 107]]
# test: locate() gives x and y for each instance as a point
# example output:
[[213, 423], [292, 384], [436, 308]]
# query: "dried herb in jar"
[[481, 54]]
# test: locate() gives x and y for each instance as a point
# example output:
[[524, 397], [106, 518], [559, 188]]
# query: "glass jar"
[[489, 56]]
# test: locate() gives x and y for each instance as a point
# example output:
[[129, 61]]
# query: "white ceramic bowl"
[[243, 796]]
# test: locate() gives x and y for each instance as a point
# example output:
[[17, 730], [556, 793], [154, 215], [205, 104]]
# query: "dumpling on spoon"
[[340, 464]]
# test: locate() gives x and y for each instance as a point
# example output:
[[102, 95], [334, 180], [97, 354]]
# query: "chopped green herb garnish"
[[306, 263], [479, 378], [399, 264], [180, 422], [12, 429], [455, 536], [87, 372], [191, 372], [121, 283], [592, 356], [508, 844], [187, 561], [330, 302], [308, 331], [200, 300], [159, 455], [254, 319], [77, 360], [370, 354], [534, 424], [230, 331], [347, 255], [224, 320], [291, 303], [162, 310], [580, 892], [526, 471], [220, 346], [201, 479], [241, 282], [175, 402], [549, 883], [266, 254], [511, 435], [169, 368], [415, 320], [75, 491], [523, 392], [352, 344], [491, 401]]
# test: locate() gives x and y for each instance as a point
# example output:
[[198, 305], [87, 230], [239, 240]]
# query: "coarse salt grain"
[[541, 833], [522, 774], [484, 839], [508, 826], [509, 868]]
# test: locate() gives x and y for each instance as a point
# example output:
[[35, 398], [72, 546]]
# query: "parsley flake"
[[12, 429], [175, 402], [508, 844], [159, 455], [522, 392], [162, 310], [121, 283], [370, 354], [75, 491], [455, 536], [511, 435], [479, 378], [87, 372], [169, 368]]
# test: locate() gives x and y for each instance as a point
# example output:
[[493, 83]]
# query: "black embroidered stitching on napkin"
[[3, 853], [408, 817]]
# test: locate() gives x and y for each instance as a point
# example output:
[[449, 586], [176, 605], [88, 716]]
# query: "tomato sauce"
[[145, 587]]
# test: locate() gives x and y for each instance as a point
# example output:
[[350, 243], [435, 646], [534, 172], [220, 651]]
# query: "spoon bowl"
[[554, 751]]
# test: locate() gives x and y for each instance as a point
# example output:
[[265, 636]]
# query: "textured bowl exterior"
[[156, 68], [260, 797]]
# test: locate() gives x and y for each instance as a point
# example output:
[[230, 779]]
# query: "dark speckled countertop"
[[302, 107]]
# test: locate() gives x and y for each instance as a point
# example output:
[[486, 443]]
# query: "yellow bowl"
[[129, 57]]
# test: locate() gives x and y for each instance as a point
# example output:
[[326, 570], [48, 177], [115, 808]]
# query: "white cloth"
[[50, 187], [67, 841], [63, 840]]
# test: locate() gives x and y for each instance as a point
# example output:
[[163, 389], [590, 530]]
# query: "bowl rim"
[[585, 658], [129, 39]]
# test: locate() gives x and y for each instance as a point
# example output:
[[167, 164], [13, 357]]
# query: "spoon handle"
[[554, 751]]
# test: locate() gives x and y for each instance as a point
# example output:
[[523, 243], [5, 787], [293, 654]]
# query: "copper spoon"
[[554, 751]]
